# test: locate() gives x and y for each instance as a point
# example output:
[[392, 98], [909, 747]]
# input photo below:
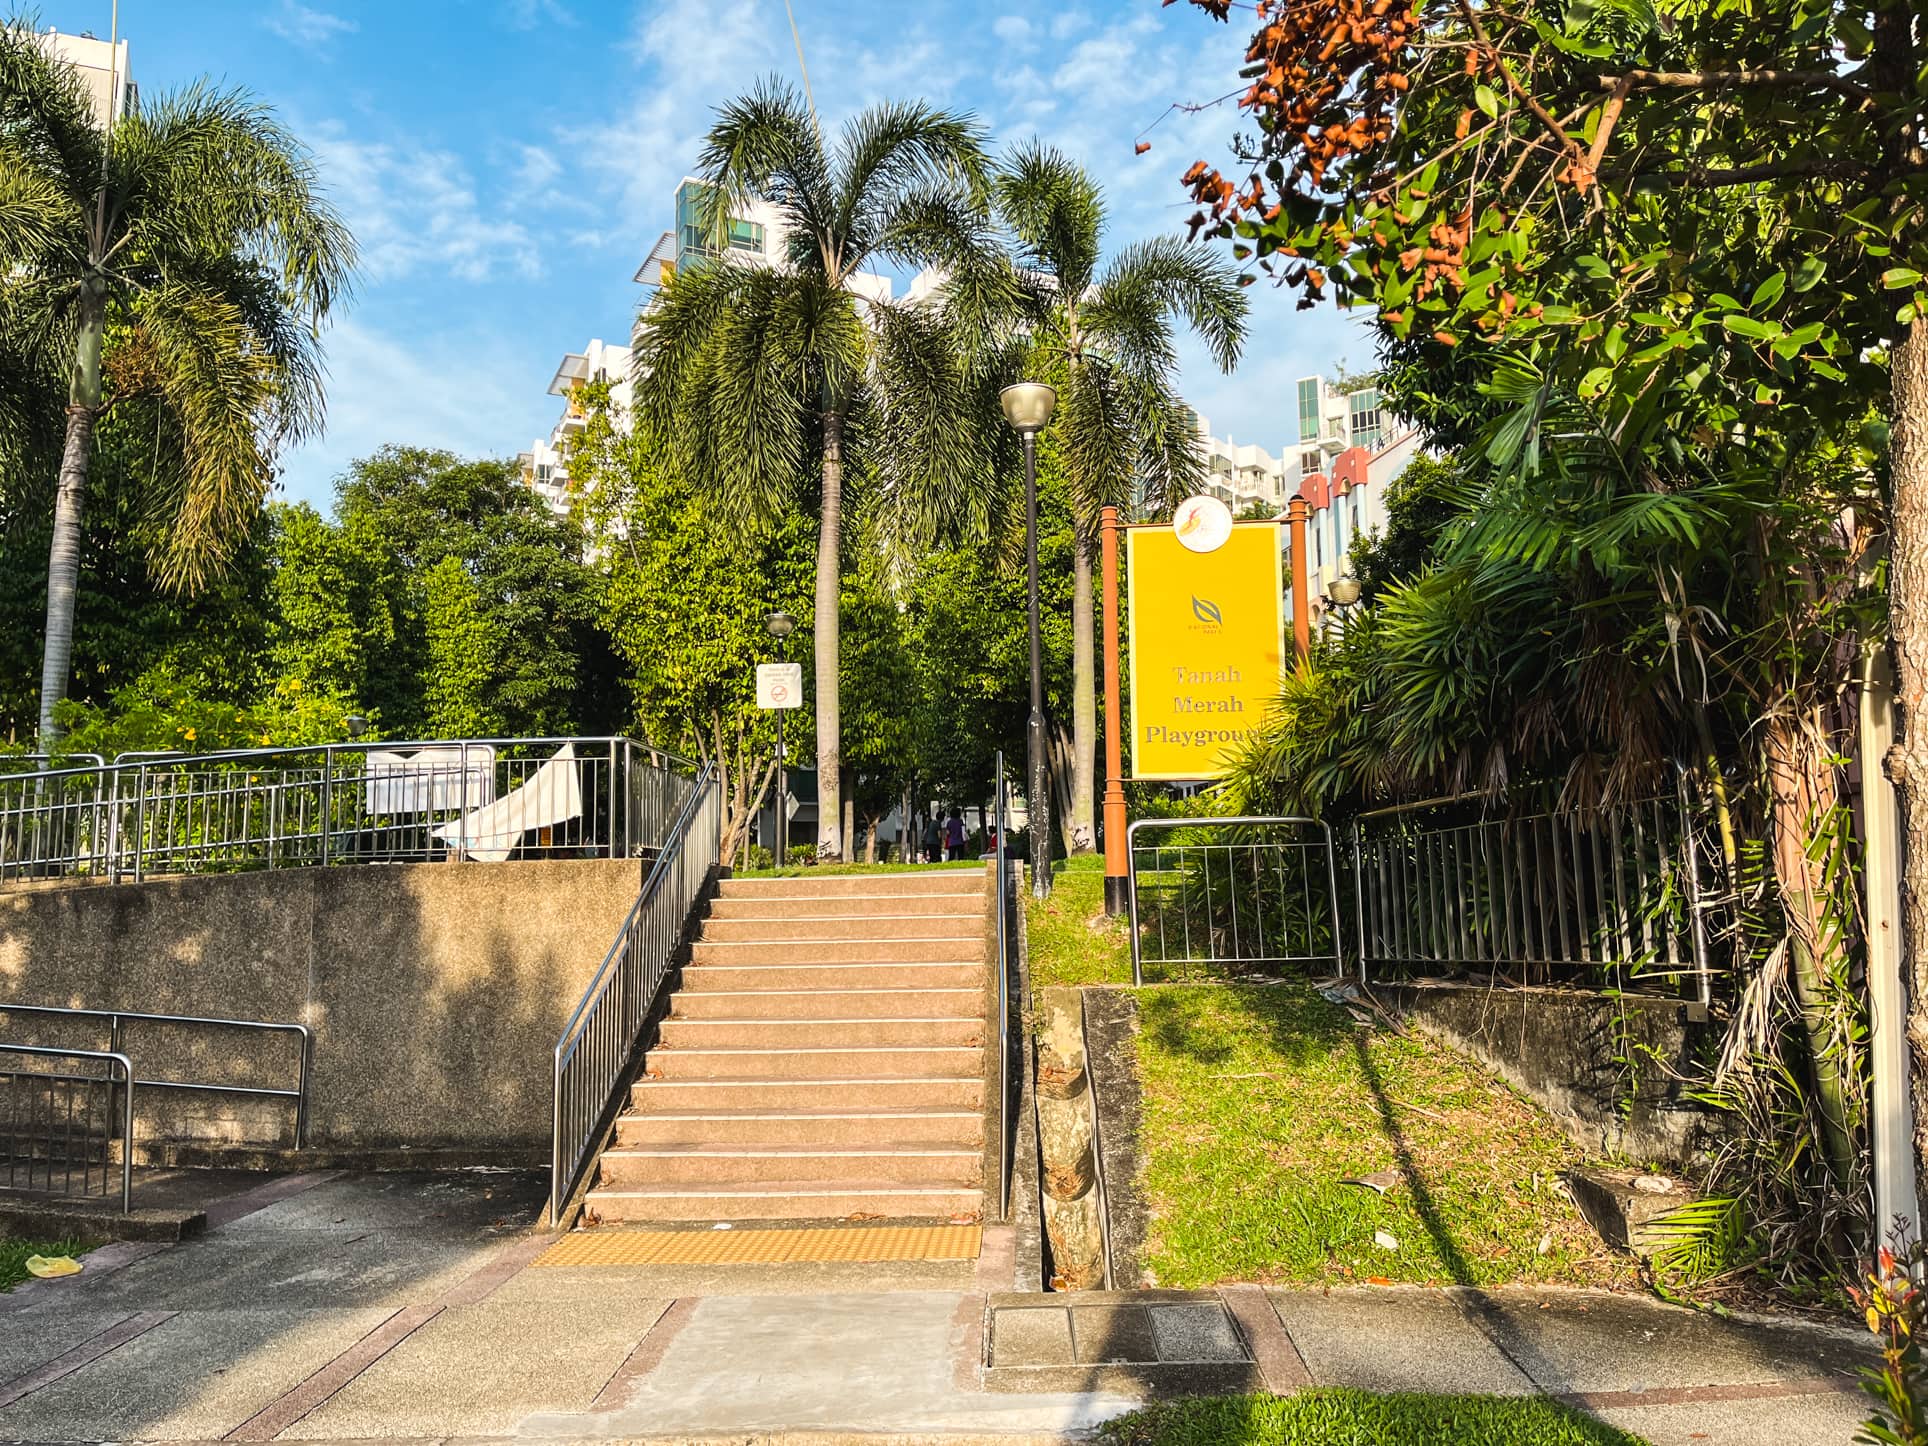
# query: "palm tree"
[[189, 244], [1105, 339], [746, 373]]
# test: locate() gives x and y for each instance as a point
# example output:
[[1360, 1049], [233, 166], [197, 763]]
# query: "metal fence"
[[1604, 897], [592, 1058], [59, 1121], [1218, 896], [391, 802], [113, 1023]]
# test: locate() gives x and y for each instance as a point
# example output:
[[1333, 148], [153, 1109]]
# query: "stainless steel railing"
[[1010, 1070], [1231, 896], [73, 1135], [117, 1021], [383, 802], [1611, 896], [594, 1052]]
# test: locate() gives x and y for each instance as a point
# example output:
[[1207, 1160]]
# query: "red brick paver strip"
[[647, 1356], [247, 1202], [1695, 1395], [1280, 1365], [84, 1354], [498, 1272], [278, 1415]]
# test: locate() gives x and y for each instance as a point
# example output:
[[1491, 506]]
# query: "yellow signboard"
[[1207, 640]]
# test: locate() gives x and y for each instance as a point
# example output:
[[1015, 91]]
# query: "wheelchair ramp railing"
[[594, 1054]]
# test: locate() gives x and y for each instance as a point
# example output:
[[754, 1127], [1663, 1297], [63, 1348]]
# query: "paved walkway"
[[341, 1307]]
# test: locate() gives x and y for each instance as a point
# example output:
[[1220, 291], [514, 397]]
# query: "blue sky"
[[506, 163]]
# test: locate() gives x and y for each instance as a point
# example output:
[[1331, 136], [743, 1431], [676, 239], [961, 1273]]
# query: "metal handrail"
[[117, 1018], [618, 1042], [112, 1061], [301, 806], [1242, 820], [1006, 1115]]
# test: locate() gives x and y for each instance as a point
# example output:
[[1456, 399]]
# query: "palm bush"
[[179, 266]]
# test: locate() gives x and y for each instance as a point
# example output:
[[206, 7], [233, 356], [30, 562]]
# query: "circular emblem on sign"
[[1202, 523]]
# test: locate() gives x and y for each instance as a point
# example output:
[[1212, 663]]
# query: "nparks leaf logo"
[[1207, 612]]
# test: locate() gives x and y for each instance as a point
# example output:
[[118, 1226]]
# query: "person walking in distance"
[[933, 841], [954, 836]]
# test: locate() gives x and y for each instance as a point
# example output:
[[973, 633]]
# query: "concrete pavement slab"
[[479, 1369], [24, 1349], [1591, 1341], [1112, 1333], [1195, 1333], [1031, 1338], [459, 1203], [1394, 1339], [1825, 1420], [876, 1363], [195, 1377], [303, 1268]]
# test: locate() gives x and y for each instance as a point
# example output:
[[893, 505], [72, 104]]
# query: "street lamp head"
[[1027, 405], [355, 725], [1343, 590], [779, 625]]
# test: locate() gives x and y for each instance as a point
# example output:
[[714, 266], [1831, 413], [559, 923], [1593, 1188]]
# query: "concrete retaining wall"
[[435, 991], [1609, 1069]]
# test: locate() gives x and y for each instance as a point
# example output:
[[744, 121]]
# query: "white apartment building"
[[1350, 450], [545, 466], [1242, 475], [103, 70]]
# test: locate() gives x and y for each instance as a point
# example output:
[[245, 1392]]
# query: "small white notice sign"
[[779, 685]]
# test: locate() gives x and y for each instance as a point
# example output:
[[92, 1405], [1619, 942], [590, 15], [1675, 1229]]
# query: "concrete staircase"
[[825, 1057]]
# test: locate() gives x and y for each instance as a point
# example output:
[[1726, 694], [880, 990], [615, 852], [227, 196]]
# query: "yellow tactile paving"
[[765, 1247]]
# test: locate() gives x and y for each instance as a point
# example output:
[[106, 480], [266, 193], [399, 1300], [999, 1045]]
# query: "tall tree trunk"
[[1908, 625], [1084, 696], [70, 503], [829, 604], [1802, 784], [1894, 62]]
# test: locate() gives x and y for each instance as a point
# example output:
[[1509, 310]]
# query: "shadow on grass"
[[1301, 1028]]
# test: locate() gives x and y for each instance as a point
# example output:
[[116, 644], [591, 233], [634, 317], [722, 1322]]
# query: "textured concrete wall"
[[435, 991], [1611, 1070]]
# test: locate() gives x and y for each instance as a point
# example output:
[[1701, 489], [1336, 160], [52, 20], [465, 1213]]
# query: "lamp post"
[[780, 626], [1027, 407]]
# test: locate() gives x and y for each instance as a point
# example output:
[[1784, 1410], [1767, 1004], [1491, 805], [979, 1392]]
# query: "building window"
[[693, 237], [1366, 429], [1309, 409]]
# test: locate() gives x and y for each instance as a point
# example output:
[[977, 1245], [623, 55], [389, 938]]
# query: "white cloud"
[[475, 394], [527, 14], [412, 208], [312, 29], [1012, 30]]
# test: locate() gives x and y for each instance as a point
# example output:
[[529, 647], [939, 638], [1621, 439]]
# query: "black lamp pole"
[[1027, 407]]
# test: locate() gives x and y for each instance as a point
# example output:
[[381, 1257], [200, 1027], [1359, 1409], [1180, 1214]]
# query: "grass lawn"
[[1259, 1100], [1073, 940], [1353, 1418], [14, 1253]]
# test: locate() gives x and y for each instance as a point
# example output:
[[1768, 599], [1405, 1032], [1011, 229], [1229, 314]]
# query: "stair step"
[[817, 1033], [926, 949], [785, 906], [787, 1200], [742, 1167], [881, 1062], [814, 927], [719, 1094], [875, 974], [825, 1127], [804, 886], [895, 1003]]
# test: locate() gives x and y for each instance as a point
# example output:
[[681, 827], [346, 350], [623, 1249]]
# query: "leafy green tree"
[[1422, 502], [746, 375], [461, 645], [194, 235], [1102, 334]]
